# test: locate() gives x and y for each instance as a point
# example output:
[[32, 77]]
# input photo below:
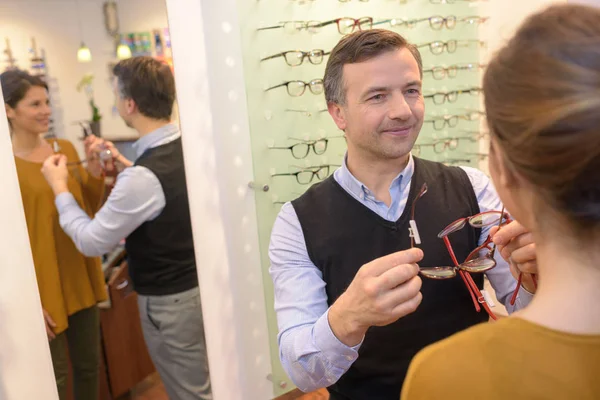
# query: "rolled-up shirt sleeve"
[[309, 351], [137, 197]]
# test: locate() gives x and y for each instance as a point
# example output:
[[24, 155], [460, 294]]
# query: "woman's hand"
[[515, 244], [56, 173], [50, 324]]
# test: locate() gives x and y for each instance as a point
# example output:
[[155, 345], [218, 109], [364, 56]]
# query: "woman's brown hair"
[[542, 98], [16, 83]]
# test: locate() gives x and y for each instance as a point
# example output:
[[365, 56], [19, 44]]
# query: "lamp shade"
[[123, 51], [84, 55]]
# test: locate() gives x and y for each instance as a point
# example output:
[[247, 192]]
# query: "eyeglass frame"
[[301, 25], [357, 24], [447, 45], [313, 169], [305, 54], [451, 96], [464, 274], [444, 21], [309, 144], [416, 149], [475, 18], [410, 23], [310, 85], [451, 71], [452, 120]]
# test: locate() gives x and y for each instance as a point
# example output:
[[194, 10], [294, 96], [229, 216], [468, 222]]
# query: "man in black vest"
[[149, 207], [351, 308]]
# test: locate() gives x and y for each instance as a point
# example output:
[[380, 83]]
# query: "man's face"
[[121, 103], [384, 106]]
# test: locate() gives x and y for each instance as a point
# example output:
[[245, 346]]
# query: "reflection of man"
[[346, 287], [149, 207]]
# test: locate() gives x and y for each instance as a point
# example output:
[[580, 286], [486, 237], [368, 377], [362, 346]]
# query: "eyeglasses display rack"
[[295, 143]]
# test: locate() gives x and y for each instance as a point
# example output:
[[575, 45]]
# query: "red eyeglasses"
[[479, 260], [519, 282]]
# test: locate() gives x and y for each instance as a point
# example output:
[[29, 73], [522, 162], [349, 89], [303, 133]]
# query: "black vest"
[[342, 235], [161, 252]]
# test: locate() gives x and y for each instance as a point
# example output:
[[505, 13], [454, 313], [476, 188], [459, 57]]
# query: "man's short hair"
[[358, 47], [148, 82]]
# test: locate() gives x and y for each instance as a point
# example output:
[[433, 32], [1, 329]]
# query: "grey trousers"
[[174, 334]]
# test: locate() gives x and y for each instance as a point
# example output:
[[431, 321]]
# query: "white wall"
[[55, 25], [505, 17], [216, 144], [501, 26], [25, 365]]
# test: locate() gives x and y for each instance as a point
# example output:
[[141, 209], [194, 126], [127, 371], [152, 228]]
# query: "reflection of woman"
[[69, 284], [542, 95]]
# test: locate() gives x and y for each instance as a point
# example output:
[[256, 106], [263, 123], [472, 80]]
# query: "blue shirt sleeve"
[[136, 198], [309, 351]]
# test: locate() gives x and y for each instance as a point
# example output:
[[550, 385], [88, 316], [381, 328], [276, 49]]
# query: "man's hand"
[[93, 145], [382, 291], [97, 147], [517, 247], [50, 324], [56, 173]]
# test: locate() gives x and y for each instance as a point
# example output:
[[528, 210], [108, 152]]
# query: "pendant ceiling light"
[[84, 55], [123, 51]]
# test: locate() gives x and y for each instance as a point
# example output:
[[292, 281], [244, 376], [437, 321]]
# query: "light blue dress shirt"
[[137, 197], [309, 351]]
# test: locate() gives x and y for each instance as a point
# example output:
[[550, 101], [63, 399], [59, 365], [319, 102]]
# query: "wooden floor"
[[298, 395], [153, 389]]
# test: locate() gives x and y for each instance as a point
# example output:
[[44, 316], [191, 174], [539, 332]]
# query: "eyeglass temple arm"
[[325, 23], [480, 298], [285, 174], [493, 251], [270, 27], [383, 21], [273, 56], [461, 273], [277, 86]]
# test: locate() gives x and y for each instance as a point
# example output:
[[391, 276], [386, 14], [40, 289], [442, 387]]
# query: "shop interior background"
[[59, 27], [24, 361]]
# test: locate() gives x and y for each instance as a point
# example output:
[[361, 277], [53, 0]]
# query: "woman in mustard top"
[[542, 97], [70, 285]]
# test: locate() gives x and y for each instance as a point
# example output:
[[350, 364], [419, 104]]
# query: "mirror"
[[115, 264]]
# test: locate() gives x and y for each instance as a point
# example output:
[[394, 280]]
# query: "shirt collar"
[[153, 138], [356, 187]]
